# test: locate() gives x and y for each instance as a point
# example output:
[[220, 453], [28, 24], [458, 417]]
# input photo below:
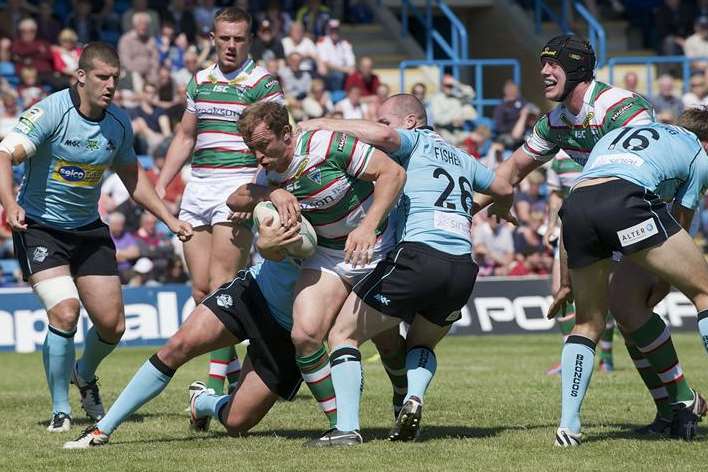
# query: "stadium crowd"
[[301, 43]]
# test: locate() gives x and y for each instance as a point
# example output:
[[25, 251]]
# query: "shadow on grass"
[[627, 431], [135, 418]]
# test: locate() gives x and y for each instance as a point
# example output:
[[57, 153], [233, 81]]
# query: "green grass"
[[490, 407]]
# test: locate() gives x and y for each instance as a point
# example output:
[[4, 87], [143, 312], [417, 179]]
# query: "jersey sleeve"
[[268, 89], [552, 179], [191, 106], [537, 145], [125, 155], [691, 192], [350, 154], [409, 140], [483, 177], [40, 121], [631, 111]]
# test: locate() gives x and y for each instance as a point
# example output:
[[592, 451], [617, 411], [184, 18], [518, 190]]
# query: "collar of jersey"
[[239, 75], [76, 101]]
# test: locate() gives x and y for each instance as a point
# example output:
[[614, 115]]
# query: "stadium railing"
[[455, 50], [648, 62], [479, 101], [596, 32]]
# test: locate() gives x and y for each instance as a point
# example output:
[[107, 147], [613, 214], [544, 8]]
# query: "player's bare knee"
[[65, 314], [306, 341], [240, 424]]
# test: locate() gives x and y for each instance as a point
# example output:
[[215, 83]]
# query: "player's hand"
[[160, 190], [501, 213], [359, 248], [563, 295], [15, 217], [238, 217], [659, 290], [311, 125], [272, 239], [182, 229], [550, 238], [287, 205]]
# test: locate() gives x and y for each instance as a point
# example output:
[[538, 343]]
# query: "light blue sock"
[[703, 327], [210, 405], [420, 368], [146, 384], [95, 350], [347, 381], [58, 355], [576, 370]]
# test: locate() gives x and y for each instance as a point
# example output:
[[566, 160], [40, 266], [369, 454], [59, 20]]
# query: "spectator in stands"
[[182, 18], [507, 113], [10, 16], [697, 96], [631, 81], [137, 49], [296, 41], [697, 44], [166, 88], [150, 123], [295, 81], [673, 22], [336, 57], [493, 247], [7, 66], [383, 91], [477, 141], [65, 57], [266, 46], [83, 22], [522, 128], [352, 107], [143, 273], [318, 102], [30, 51], [173, 192], [191, 67], [175, 273], [530, 200], [420, 90], [314, 16], [167, 50], [280, 20], [48, 26], [127, 249], [667, 105], [29, 90], [204, 15], [363, 77], [153, 244], [9, 113], [141, 6], [451, 107], [179, 104]]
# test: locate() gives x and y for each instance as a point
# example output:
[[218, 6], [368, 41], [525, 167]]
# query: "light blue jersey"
[[668, 160], [437, 198], [277, 283], [62, 179]]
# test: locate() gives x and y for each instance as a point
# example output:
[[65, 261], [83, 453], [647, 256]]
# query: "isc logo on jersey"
[[76, 174]]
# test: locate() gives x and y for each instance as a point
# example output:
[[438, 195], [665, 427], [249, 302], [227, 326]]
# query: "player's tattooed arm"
[[375, 134]]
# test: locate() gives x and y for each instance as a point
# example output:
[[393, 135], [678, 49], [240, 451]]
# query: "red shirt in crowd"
[[173, 191], [37, 54], [368, 87]]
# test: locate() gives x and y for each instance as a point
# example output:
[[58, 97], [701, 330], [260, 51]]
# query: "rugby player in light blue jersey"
[[619, 203], [256, 305], [66, 142], [426, 279]]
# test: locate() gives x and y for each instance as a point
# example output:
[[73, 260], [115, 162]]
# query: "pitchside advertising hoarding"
[[153, 314]]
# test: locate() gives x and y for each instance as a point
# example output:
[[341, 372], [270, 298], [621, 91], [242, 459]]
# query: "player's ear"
[[287, 133], [81, 77]]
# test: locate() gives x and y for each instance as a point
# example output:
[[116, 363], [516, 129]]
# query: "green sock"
[[653, 339], [566, 321], [218, 367], [316, 373], [606, 340], [395, 365], [651, 380]]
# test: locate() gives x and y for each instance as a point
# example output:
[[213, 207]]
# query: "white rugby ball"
[[299, 249]]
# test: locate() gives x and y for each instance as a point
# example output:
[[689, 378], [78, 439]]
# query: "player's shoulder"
[[605, 96], [205, 75]]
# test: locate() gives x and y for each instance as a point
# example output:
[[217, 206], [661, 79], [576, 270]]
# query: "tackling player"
[[221, 162], [66, 142], [588, 110], [426, 279], [619, 204]]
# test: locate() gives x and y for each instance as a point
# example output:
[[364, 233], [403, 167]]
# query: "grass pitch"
[[490, 407]]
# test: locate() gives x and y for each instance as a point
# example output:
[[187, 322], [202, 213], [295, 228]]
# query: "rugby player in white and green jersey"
[[221, 162], [588, 110], [330, 176]]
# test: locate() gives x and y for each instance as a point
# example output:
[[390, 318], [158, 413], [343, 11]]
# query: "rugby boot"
[[336, 438], [407, 425]]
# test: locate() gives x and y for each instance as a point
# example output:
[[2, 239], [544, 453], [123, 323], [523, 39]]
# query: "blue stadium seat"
[[146, 161], [337, 95], [8, 267]]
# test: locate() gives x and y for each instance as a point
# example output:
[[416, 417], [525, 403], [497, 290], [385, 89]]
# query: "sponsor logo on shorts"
[[382, 299], [454, 316], [577, 375], [224, 301], [39, 254], [77, 174], [638, 232]]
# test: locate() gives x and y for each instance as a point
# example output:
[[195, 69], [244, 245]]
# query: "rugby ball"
[[299, 249]]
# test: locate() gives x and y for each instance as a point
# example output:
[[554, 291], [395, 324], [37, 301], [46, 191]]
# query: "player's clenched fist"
[[182, 229]]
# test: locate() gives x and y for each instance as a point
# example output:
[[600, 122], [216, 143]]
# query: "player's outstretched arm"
[[141, 190], [389, 178], [513, 171], [179, 151], [378, 135]]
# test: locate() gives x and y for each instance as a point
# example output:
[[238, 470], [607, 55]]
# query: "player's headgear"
[[575, 55]]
